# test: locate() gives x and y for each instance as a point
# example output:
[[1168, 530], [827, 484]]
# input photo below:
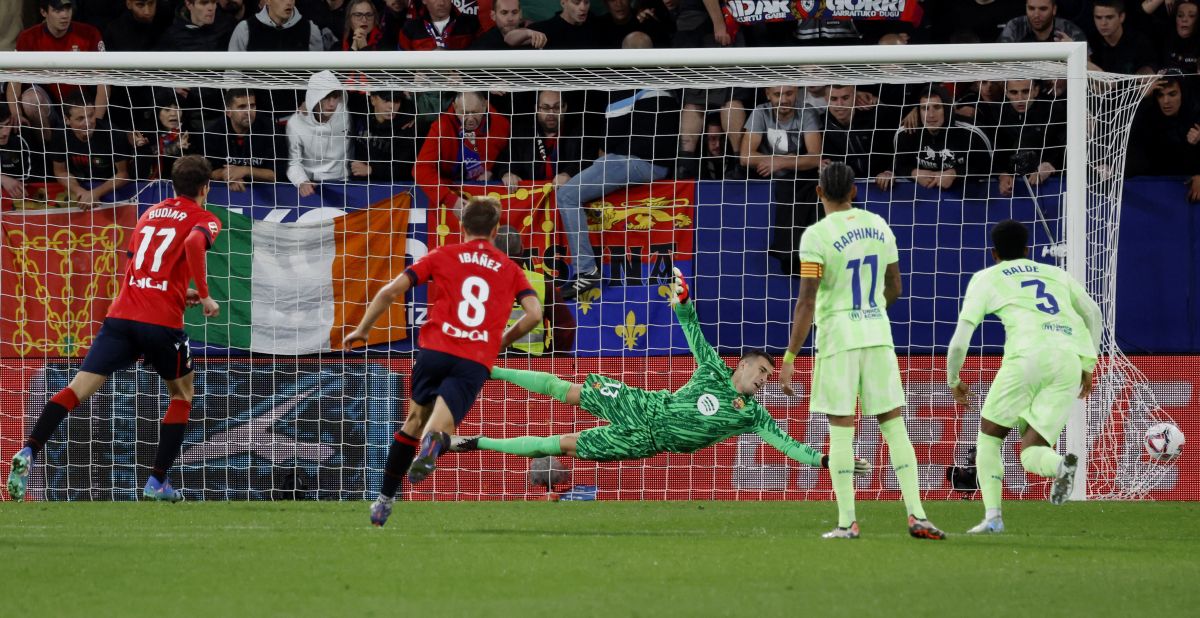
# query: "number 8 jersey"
[[157, 274], [850, 251], [1035, 302], [471, 297]]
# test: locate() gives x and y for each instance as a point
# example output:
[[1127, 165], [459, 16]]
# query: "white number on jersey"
[[148, 234], [475, 292]]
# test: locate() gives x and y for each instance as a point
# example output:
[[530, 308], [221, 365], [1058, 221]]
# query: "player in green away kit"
[[1052, 333], [715, 404], [843, 257]]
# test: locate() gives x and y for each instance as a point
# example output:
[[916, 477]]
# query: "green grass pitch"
[[592, 559]]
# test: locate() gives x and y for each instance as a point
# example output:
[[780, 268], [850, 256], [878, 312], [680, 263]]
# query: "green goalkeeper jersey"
[[854, 248], [1035, 302], [708, 409]]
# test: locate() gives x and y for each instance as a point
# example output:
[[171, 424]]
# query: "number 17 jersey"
[[472, 289], [850, 250]]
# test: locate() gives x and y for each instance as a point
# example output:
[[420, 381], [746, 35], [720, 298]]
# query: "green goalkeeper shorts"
[[627, 409], [1036, 390], [870, 376]]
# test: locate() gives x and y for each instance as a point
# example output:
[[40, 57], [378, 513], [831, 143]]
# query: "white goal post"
[[1099, 112]]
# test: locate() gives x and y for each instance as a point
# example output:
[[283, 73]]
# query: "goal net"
[[703, 160]]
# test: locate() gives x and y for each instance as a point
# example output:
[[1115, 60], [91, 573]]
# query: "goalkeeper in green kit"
[[715, 404]]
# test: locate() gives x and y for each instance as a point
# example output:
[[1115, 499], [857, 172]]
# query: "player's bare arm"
[[529, 321], [893, 285], [379, 305], [802, 319]]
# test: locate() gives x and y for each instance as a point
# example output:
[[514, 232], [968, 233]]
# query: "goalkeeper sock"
[[535, 381], [841, 471], [989, 468], [528, 446], [1041, 460], [400, 456], [904, 462], [170, 437], [52, 416]]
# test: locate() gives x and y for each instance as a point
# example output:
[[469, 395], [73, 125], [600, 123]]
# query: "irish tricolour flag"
[[298, 288]]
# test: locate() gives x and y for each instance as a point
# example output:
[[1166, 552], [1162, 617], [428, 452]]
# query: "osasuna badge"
[[707, 404]]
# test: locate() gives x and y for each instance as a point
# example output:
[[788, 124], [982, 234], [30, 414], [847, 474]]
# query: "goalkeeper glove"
[[679, 288], [861, 466]]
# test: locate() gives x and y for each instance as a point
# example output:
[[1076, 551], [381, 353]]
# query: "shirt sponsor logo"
[[148, 283], [451, 330], [708, 404]]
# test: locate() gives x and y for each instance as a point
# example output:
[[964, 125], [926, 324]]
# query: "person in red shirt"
[[472, 289], [58, 33], [440, 26], [462, 147], [165, 251]]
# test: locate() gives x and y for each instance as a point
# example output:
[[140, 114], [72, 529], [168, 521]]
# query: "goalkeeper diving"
[[715, 404]]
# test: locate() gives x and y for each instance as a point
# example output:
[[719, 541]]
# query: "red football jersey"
[[470, 298], [79, 37], [157, 275]]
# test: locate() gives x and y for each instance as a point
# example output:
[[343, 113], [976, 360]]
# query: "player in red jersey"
[[166, 251], [472, 288]]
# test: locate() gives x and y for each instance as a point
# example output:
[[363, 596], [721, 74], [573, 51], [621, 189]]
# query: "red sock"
[[177, 412]]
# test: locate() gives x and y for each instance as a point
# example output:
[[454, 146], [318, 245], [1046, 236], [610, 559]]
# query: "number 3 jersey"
[[471, 294], [1035, 302], [850, 251], [155, 286]]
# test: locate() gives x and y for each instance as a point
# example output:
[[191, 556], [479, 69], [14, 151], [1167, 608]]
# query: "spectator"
[[139, 26], [462, 146], [1165, 138], [361, 32], [42, 127], [16, 158], [384, 141], [509, 31], [1114, 48], [557, 330], [700, 23], [1031, 136], [542, 150], [781, 140], [58, 32], [90, 161], [980, 103], [942, 151], [850, 136], [199, 27], [242, 146], [235, 9], [277, 27], [318, 136], [157, 148], [637, 40], [1182, 47], [1040, 23], [570, 28], [441, 26], [329, 16], [719, 160], [621, 20], [392, 16], [823, 30], [640, 146]]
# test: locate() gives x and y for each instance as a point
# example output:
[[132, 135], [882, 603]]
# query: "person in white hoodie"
[[318, 136]]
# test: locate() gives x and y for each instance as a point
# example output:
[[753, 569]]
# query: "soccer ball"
[[547, 472], [1164, 442]]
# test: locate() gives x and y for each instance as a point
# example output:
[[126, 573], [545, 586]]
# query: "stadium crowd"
[[92, 140]]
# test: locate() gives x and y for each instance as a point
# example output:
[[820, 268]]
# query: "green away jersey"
[[708, 409], [854, 248], [1035, 303]]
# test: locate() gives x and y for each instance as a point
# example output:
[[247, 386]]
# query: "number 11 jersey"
[[157, 274], [471, 297], [850, 250]]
